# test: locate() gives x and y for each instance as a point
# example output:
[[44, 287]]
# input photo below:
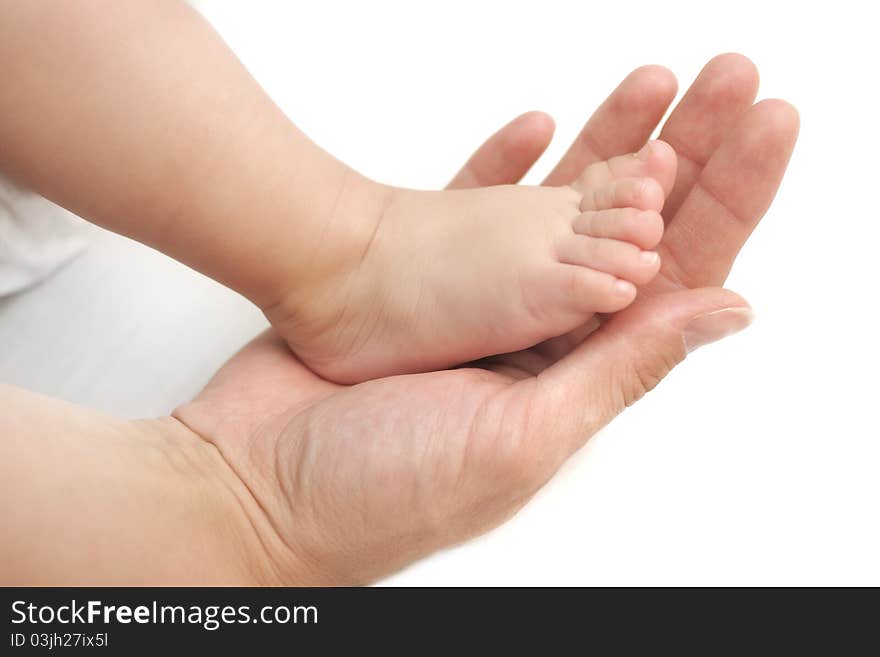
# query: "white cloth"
[[36, 237], [122, 329]]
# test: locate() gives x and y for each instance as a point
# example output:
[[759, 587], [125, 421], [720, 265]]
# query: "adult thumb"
[[632, 353]]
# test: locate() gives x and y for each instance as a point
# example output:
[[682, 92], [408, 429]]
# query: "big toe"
[[656, 160], [660, 163]]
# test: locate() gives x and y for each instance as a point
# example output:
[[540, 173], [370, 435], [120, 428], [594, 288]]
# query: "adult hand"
[[347, 484]]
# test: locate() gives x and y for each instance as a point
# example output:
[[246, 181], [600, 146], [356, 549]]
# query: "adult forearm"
[[139, 118], [89, 499]]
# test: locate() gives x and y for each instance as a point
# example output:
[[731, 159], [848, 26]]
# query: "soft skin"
[[138, 117], [273, 475], [449, 277]]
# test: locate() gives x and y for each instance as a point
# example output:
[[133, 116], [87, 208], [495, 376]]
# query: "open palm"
[[356, 481]]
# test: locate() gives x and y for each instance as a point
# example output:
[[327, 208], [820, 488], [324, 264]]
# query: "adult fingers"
[[731, 194], [508, 154], [622, 124], [721, 93], [623, 360]]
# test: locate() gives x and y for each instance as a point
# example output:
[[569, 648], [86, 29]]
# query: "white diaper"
[[36, 237]]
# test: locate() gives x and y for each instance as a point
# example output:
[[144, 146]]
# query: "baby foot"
[[449, 277]]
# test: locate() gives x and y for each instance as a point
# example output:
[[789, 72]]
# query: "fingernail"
[[649, 257], [624, 288], [709, 327], [645, 152]]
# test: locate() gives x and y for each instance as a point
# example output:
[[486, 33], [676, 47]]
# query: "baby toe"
[[655, 160], [639, 193], [644, 228], [594, 291], [618, 258]]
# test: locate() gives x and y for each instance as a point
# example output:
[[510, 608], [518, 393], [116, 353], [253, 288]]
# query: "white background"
[[756, 462]]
